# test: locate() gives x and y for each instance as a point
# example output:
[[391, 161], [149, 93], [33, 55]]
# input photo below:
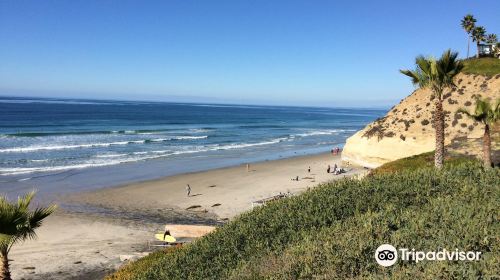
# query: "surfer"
[[188, 190]]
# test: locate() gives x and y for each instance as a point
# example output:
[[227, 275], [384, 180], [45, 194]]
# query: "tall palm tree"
[[491, 39], [436, 75], [487, 114], [468, 24], [478, 35], [17, 224]]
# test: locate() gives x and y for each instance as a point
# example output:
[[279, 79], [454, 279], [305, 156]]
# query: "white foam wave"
[[321, 132], [159, 140], [63, 147], [24, 179], [233, 146], [39, 160], [190, 137], [110, 155], [94, 145], [90, 163], [104, 160], [200, 130]]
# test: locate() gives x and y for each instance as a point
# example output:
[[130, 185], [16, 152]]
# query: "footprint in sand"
[[193, 207], [216, 204]]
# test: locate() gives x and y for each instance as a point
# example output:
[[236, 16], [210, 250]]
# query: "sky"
[[315, 53]]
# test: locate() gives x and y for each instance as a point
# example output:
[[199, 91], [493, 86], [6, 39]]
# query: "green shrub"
[[418, 161], [486, 66], [332, 231]]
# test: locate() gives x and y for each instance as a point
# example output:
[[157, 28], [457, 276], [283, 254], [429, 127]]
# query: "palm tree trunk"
[[468, 44], [4, 267], [439, 127], [487, 147], [477, 49]]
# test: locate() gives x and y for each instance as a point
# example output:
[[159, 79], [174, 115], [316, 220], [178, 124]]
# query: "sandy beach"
[[86, 237]]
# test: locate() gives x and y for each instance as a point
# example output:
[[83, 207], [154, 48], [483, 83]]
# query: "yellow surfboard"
[[168, 238]]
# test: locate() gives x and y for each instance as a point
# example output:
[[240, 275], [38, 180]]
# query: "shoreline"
[[81, 244], [52, 186], [267, 178]]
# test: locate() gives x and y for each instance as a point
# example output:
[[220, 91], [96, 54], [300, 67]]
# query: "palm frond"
[[483, 111], [415, 76], [468, 114], [435, 74], [478, 34], [24, 202], [18, 222], [468, 23], [496, 111], [491, 38]]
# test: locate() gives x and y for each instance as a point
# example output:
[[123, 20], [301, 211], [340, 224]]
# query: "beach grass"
[[332, 231], [486, 66], [418, 161]]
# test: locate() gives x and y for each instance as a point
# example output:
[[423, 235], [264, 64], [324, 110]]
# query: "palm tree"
[[17, 224], [487, 114], [478, 35], [491, 39], [436, 75], [468, 24]]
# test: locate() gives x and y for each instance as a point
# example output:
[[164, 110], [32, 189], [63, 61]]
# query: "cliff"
[[407, 129]]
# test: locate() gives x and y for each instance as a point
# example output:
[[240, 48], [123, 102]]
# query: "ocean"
[[61, 145]]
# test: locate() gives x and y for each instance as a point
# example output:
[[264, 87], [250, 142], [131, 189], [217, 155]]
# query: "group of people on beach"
[[336, 170], [335, 151]]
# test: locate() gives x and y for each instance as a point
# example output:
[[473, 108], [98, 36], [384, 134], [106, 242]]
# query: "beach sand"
[[88, 239]]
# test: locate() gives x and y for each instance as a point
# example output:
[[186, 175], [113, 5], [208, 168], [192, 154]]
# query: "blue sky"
[[330, 53]]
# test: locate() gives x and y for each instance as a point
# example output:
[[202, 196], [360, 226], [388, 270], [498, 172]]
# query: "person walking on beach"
[[309, 169], [188, 190]]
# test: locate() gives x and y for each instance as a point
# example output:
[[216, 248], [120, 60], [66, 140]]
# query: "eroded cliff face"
[[407, 129]]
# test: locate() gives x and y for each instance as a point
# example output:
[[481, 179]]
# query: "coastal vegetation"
[[488, 114], [17, 224], [486, 66], [419, 161], [332, 231], [438, 76]]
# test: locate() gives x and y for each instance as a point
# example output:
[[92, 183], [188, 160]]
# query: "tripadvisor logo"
[[387, 255]]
